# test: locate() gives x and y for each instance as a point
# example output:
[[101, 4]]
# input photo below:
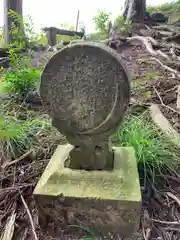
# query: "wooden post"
[[16, 6], [77, 21], [51, 35]]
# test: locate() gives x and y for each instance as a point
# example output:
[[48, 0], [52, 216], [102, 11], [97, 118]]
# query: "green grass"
[[154, 153], [20, 136], [91, 235]]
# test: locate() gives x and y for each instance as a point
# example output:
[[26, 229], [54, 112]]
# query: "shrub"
[[123, 26], [21, 81]]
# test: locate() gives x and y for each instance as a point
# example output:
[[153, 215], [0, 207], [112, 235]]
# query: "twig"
[[173, 38], [166, 67], [148, 28], [24, 237], [172, 51], [3, 59], [172, 89], [147, 42], [147, 233], [176, 179], [153, 41], [9, 228], [172, 229], [176, 199], [178, 98], [16, 188], [166, 222], [17, 160], [30, 217], [163, 54], [164, 105]]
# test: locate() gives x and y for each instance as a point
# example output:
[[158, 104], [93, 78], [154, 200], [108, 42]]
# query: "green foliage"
[[22, 30], [21, 81], [22, 77], [17, 28], [102, 22], [91, 235], [170, 9], [42, 39], [18, 60], [95, 36], [123, 26], [153, 152], [2, 40], [102, 25], [19, 136]]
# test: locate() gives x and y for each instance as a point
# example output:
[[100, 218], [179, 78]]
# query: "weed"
[[91, 234], [22, 77], [153, 152], [19, 136], [21, 81], [123, 26]]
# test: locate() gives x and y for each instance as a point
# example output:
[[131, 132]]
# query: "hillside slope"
[[170, 10]]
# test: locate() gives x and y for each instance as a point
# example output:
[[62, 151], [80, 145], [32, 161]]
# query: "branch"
[[177, 200], [166, 222], [148, 43], [173, 38], [8, 164], [178, 98], [30, 217], [164, 105], [166, 67]]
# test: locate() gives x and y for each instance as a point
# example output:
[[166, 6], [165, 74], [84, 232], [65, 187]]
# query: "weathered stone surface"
[[85, 88], [101, 200]]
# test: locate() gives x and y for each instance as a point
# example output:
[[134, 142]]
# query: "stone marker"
[[85, 89]]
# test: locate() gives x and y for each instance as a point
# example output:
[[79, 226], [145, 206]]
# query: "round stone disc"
[[86, 86]]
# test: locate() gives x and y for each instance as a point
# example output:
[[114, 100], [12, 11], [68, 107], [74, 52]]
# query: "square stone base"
[[100, 200]]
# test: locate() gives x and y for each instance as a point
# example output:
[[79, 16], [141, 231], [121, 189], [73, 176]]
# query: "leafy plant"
[[22, 77], [153, 152], [102, 21], [21, 81], [19, 136], [22, 30], [123, 26]]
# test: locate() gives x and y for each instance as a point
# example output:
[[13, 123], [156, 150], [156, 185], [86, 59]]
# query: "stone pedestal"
[[104, 201]]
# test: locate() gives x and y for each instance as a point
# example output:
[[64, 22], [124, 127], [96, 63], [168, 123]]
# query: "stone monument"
[[85, 89]]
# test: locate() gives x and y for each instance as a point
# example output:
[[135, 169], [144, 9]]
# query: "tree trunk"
[[16, 6], [135, 10]]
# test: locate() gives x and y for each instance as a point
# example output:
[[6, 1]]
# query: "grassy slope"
[[169, 9]]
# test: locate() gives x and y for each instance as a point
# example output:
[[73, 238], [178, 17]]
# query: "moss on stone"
[[120, 184]]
